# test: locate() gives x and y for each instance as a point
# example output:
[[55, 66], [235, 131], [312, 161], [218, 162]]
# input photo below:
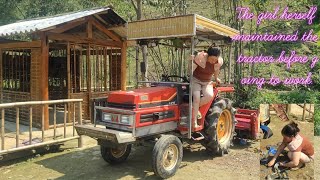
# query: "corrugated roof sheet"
[[32, 25]]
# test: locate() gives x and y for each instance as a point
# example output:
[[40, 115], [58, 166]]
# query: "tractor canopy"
[[180, 27]]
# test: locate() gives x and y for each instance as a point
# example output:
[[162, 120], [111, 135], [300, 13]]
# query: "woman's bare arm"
[[279, 150], [295, 160]]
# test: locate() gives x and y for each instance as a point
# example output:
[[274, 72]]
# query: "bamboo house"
[[78, 55]]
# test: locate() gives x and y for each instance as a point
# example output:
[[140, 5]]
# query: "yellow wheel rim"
[[170, 157], [118, 152], [224, 126]]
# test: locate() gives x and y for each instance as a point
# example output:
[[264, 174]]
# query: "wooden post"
[[89, 35], [89, 29], [69, 80], [309, 110], [1, 77], [288, 109], [44, 81], [145, 61], [123, 65], [304, 111], [80, 140], [137, 65], [105, 69], [230, 64]]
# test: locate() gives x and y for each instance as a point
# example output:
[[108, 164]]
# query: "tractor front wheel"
[[115, 155], [166, 156], [220, 126]]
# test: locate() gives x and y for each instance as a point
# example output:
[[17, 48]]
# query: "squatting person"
[[300, 148]]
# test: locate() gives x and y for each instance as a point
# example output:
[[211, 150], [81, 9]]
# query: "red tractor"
[[162, 113]]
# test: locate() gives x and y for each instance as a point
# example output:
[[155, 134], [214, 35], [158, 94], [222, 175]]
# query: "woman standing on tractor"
[[205, 65]]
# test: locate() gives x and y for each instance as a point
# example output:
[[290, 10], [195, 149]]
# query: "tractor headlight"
[[106, 117], [125, 119]]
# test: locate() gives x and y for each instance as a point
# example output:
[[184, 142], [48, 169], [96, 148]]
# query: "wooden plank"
[[89, 29], [44, 71], [85, 40], [33, 44], [103, 29], [123, 65], [102, 20], [68, 26]]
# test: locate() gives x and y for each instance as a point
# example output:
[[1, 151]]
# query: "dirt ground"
[[307, 130], [86, 163]]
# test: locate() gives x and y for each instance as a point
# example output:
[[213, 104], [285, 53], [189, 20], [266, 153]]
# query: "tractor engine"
[[150, 110]]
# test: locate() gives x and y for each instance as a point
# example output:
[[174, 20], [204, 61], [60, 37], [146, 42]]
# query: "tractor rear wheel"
[[167, 156], [220, 126], [115, 155]]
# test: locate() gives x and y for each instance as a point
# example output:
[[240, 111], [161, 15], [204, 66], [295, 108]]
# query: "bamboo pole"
[[74, 118], [42, 123], [54, 121], [18, 104], [17, 127], [2, 128], [37, 145], [65, 121], [80, 140], [30, 126]]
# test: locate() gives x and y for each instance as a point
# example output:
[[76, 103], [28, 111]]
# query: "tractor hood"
[[143, 97]]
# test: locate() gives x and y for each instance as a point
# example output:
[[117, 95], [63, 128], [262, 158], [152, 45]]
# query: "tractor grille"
[[124, 106], [156, 116]]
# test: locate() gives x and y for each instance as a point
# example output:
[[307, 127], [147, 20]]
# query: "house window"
[[16, 70]]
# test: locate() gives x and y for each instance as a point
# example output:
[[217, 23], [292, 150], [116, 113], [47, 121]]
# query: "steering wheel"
[[166, 78]]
